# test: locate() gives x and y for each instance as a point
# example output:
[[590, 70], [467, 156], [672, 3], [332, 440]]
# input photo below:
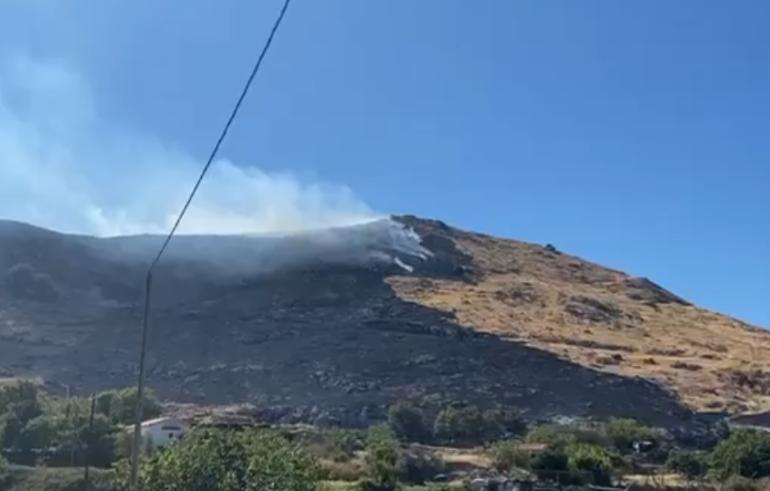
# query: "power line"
[[164, 246]]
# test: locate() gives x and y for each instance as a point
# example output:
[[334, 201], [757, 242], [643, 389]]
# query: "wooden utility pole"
[[90, 435]]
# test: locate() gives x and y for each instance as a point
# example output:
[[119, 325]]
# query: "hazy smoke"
[[64, 167]]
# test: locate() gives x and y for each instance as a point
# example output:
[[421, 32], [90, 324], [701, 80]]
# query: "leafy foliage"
[[744, 453], [551, 465], [39, 432], [214, 460], [119, 405], [560, 436], [35, 424], [458, 425], [590, 461], [19, 405], [381, 459], [689, 463], [503, 422], [623, 432], [417, 466], [469, 425], [407, 422]]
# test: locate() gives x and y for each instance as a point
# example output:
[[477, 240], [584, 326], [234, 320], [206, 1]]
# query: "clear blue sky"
[[631, 133]]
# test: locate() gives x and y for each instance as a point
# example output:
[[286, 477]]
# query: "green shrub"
[[19, 405], [502, 422], [37, 433], [407, 422], [19, 392], [688, 463], [99, 441], [381, 459], [556, 435], [744, 453], [623, 432], [227, 461], [508, 454], [341, 471], [417, 467], [551, 465], [120, 405], [591, 462], [469, 425], [458, 425]]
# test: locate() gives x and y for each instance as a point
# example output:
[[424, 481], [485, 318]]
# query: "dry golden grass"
[[526, 293]]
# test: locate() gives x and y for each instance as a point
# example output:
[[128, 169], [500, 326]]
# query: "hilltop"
[[334, 325]]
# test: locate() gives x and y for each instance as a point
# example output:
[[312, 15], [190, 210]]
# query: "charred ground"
[[319, 339]]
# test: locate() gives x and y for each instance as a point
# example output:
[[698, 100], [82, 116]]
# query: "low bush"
[[691, 464], [623, 432], [468, 425], [408, 422], [417, 467], [590, 464], [381, 459], [744, 453]]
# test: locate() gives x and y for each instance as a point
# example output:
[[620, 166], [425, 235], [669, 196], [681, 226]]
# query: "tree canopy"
[[216, 460]]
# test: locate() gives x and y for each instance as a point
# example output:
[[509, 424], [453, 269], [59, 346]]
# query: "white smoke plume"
[[63, 167]]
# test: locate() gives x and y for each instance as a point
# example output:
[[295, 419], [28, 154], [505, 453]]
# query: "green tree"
[[274, 463], [459, 425], [551, 465], [119, 405], [98, 442], [623, 432], [12, 427], [692, 465], [228, 461], [586, 461], [22, 391], [407, 422], [468, 425], [744, 453], [381, 459], [36, 434], [552, 435], [502, 422]]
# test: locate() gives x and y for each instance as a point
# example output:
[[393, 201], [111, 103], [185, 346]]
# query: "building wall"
[[163, 432]]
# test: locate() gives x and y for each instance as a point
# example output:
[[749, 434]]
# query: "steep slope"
[[598, 318], [336, 324]]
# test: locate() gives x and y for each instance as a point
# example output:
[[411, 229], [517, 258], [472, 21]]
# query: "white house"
[[162, 431]]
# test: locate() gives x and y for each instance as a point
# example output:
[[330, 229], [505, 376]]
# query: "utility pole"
[[135, 448], [86, 484], [68, 418]]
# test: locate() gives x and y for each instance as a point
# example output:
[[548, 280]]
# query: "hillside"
[[599, 318], [335, 325]]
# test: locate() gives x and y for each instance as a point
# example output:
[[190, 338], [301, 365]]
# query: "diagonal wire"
[[137, 438], [222, 136]]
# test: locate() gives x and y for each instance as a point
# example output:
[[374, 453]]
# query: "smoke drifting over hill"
[[64, 167]]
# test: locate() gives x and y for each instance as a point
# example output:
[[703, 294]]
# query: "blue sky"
[[631, 133]]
